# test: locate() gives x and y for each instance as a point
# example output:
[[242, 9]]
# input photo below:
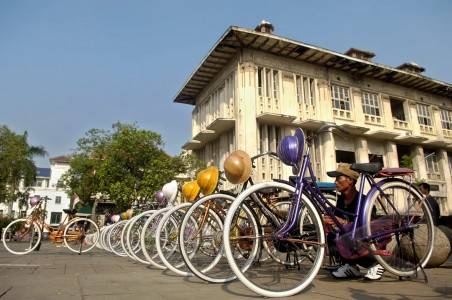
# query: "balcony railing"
[[447, 133], [427, 129], [342, 113], [399, 124], [434, 176], [268, 104], [306, 111], [372, 119]]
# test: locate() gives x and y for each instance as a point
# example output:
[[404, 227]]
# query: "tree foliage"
[[16, 164], [124, 164]]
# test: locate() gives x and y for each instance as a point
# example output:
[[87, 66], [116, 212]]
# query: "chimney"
[[411, 67], [265, 27], [359, 53]]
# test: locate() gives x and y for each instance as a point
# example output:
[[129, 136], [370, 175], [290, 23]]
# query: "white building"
[[255, 87], [47, 184]]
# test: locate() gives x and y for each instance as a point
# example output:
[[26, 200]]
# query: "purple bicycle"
[[392, 224]]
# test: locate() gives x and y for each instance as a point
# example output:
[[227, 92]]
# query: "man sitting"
[[347, 201]]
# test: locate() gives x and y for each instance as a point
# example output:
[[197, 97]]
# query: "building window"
[[432, 164], [345, 156], [268, 82], [58, 200], [341, 97], [376, 158], [371, 104], [55, 218], [269, 137], [446, 119], [423, 115]]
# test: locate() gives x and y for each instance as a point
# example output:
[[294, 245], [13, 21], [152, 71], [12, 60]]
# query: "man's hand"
[[327, 220]]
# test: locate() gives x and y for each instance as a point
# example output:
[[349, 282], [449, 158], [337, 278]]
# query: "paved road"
[[54, 273]]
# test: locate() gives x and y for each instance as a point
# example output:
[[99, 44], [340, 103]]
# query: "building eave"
[[236, 38]]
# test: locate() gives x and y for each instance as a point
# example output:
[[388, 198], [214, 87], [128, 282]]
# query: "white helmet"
[[170, 191]]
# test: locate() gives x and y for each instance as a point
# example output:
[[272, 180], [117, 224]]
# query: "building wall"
[[49, 188], [274, 95]]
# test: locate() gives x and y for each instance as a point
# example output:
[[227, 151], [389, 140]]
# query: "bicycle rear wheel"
[[289, 263], [400, 221], [76, 232], [21, 236]]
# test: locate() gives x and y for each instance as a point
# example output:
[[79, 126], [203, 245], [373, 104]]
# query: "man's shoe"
[[374, 273], [346, 271]]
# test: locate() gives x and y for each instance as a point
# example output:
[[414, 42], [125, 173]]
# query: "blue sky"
[[68, 66]]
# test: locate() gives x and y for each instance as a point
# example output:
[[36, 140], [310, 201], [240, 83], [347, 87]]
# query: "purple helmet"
[[290, 149], [34, 200], [160, 197]]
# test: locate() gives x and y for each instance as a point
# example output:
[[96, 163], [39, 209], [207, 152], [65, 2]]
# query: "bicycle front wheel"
[[81, 235], [21, 236], [399, 222], [280, 266]]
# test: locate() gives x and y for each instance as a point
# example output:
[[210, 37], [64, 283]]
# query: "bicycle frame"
[[311, 189]]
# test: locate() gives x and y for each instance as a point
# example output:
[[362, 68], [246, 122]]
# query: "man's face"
[[343, 183]]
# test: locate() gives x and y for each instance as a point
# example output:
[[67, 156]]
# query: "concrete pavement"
[[55, 273]]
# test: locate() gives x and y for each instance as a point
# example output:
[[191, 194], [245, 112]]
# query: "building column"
[[246, 125], [412, 118], [324, 105], [387, 113], [328, 155], [444, 165], [417, 153], [357, 107], [436, 122], [391, 158], [361, 150]]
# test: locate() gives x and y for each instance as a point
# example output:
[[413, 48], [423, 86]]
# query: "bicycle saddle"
[[70, 211], [367, 168]]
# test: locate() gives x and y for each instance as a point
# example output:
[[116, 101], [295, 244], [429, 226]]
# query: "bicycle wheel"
[[167, 240], [201, 239], [302, 248], [148, 239], [21, 236], [75, 233], [133, 237], [114, 238], [400, 225]]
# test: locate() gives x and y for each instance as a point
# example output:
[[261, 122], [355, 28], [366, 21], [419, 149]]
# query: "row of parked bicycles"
[[270, 235]]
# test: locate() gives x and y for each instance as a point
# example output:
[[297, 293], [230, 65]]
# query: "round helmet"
[[207, 180], [160, 198], [290, 149], [170, 191], [34, 200], [115, 218], [237, 167], [190, 190]]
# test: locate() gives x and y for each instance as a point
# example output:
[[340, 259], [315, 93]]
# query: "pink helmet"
[[160, 197], [34, 200]]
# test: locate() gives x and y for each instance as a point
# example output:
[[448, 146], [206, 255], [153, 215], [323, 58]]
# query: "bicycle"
[[23, 236], [299, 236]]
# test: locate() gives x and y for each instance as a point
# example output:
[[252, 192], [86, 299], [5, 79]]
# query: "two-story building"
[[47, 184], [255, 87]]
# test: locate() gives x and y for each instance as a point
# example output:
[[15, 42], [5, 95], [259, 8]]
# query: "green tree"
[[16, 165], [124, 164]]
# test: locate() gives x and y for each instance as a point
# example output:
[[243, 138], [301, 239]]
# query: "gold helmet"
[[190, 190], [237, 167], [207, 180]]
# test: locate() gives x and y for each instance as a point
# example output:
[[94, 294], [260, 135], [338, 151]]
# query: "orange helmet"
[[207, 180], [190, 190], [237, 167]]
